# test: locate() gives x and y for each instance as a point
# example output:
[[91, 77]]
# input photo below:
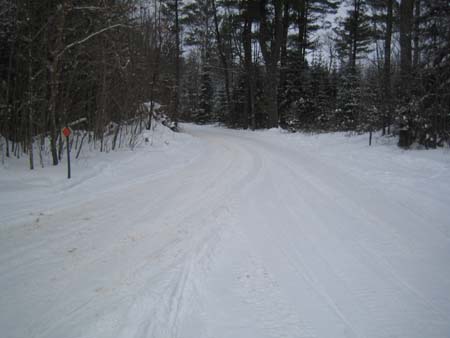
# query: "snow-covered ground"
[[224, 233]]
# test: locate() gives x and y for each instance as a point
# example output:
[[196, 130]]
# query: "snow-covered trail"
[[256, 235]]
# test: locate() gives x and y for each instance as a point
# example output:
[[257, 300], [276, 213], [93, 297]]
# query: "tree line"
[[97, 62], [384, 64]]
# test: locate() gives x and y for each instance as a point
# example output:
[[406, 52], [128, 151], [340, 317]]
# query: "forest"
[[224, 168], [302, 65]]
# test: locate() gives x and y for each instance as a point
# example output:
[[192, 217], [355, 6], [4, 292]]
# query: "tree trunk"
[[387, 66], [302, 29], [56, 25], [248, 64], [271, 32], [271, 91], [416, 55], [356, 14], [283, 55], [30, 105], [177, 64], [223, 58], [155, 70], [103, 101], [406, 24]]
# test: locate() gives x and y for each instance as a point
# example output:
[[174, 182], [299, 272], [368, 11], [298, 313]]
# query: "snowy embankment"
[[229, 233], [155, 152]]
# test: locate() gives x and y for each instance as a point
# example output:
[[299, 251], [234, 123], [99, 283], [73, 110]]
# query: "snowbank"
[[23, 191]]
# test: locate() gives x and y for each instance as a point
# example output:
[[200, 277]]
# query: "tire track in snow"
[[382, 292], [315, 186], [235, 243], [210, 200]]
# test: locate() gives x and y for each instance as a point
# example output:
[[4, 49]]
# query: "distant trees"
[[432, 73], [368, 75], [354, 33], [312, 17], [63, 60], [252, 63]]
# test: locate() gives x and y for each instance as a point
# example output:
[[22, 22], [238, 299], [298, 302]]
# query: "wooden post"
[[66, 132], [68, 157]]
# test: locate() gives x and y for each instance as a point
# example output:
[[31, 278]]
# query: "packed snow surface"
[[222, 233]]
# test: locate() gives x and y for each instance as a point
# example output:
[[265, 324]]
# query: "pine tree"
[[348, 101], [197, 17], [311, 16], [221, 108], [434, 96], [371, 116], [322, 95], [354, 34], [191, 87], [293, 97], [205, 112]]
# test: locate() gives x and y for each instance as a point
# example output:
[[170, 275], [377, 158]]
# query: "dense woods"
[[316, 65]]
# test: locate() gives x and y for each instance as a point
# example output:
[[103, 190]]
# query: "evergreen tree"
[[354, 34], [311, 16], [434, 94], [205, 112], [322, 95], [221, 108], [293, 97], [348, 101], [191, 87]]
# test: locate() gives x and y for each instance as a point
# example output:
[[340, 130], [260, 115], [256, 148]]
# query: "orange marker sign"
[[66, 131]]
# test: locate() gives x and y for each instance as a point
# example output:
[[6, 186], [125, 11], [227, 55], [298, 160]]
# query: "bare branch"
[[89, 8], [79, 42]]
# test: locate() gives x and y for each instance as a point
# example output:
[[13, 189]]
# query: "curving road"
[[257, 235]]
